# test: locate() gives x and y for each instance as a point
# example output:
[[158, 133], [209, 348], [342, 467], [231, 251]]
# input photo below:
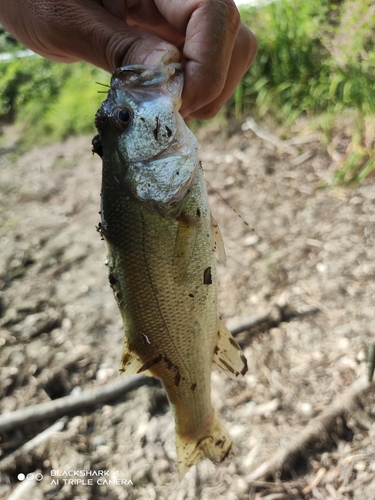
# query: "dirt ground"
[[306, 252]]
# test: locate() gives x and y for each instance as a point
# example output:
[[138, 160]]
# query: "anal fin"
[[228, 354], [131, 363]]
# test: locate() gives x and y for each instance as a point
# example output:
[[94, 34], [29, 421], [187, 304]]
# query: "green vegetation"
[[315, 59], [51, 100], [48, 99]]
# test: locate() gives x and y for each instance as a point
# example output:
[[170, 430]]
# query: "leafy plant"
[[50, 99], [313, 58]]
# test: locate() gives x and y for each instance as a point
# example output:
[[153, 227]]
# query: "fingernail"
[[165, 56]]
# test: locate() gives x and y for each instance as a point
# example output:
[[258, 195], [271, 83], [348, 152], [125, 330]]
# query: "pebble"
[[99, 441], [321, 268], [305, 408]]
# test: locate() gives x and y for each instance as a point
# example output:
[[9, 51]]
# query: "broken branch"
[[33, 443], [62, 406], [313, 431]]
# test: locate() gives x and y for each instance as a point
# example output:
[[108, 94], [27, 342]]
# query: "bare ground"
[[307, 254]]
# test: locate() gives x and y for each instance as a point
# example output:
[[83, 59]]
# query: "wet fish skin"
[[157, 225]]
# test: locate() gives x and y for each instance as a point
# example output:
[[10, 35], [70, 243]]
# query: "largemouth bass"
[[160, 239]]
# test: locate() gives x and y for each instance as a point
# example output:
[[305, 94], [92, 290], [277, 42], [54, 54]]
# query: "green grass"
[[51, 100], [315, 58]]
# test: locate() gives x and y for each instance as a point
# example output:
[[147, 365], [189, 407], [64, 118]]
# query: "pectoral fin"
[[185, 242], [218, 246], [228, 354]]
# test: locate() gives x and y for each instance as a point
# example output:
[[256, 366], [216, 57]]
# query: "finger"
[[243, 55], [146, 18], [76, 30], [211, 33]]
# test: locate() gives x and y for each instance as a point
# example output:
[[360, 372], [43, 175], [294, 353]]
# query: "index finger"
[[211, 29]]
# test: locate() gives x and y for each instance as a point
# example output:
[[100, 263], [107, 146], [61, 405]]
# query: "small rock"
[[99, 441], [305, 408], [321, 268], [360, 465]]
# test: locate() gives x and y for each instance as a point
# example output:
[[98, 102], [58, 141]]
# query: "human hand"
[[207, 36]]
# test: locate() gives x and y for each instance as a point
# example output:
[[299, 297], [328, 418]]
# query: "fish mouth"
[[139, 76]]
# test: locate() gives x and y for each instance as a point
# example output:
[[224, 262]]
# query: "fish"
[[161, 242]]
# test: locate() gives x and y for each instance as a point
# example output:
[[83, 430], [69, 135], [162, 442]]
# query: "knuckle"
[[207, 112], [230, 13]]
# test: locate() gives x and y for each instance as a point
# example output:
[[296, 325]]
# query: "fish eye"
[[122, 118]]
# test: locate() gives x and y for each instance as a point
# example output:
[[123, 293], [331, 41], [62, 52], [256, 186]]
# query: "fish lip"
[[145, 76]]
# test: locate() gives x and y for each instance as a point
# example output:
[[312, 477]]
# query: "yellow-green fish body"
[[161, 239]]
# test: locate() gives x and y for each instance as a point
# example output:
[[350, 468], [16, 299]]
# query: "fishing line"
[[228, 205]]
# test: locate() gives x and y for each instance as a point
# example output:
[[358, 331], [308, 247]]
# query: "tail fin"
[[214, 444]]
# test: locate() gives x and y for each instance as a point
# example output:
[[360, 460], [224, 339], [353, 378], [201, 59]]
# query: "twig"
[[243, 324], [62, 406], [274, 315], [33, 443], [250, 124], [313, 431]]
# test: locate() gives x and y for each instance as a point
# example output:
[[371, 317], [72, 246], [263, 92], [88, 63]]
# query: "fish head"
[[144, 142]]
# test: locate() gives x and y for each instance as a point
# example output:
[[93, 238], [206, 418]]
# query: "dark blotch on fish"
[[150, 363], [234, 343], [169, 362], [207, 276], [244, 361], [156, 129], [97, 146], [227, 452], [112, 280], [227, 366], [100, 120], [177, 379], [193, 387], [169, 131]]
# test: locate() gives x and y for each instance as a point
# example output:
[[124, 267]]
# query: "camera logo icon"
[[30, 477]]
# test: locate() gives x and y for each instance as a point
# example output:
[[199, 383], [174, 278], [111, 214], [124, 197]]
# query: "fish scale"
[[160, 240]]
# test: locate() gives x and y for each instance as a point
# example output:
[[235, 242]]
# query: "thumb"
[[108, 42], [79, 30], [151, 50]]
